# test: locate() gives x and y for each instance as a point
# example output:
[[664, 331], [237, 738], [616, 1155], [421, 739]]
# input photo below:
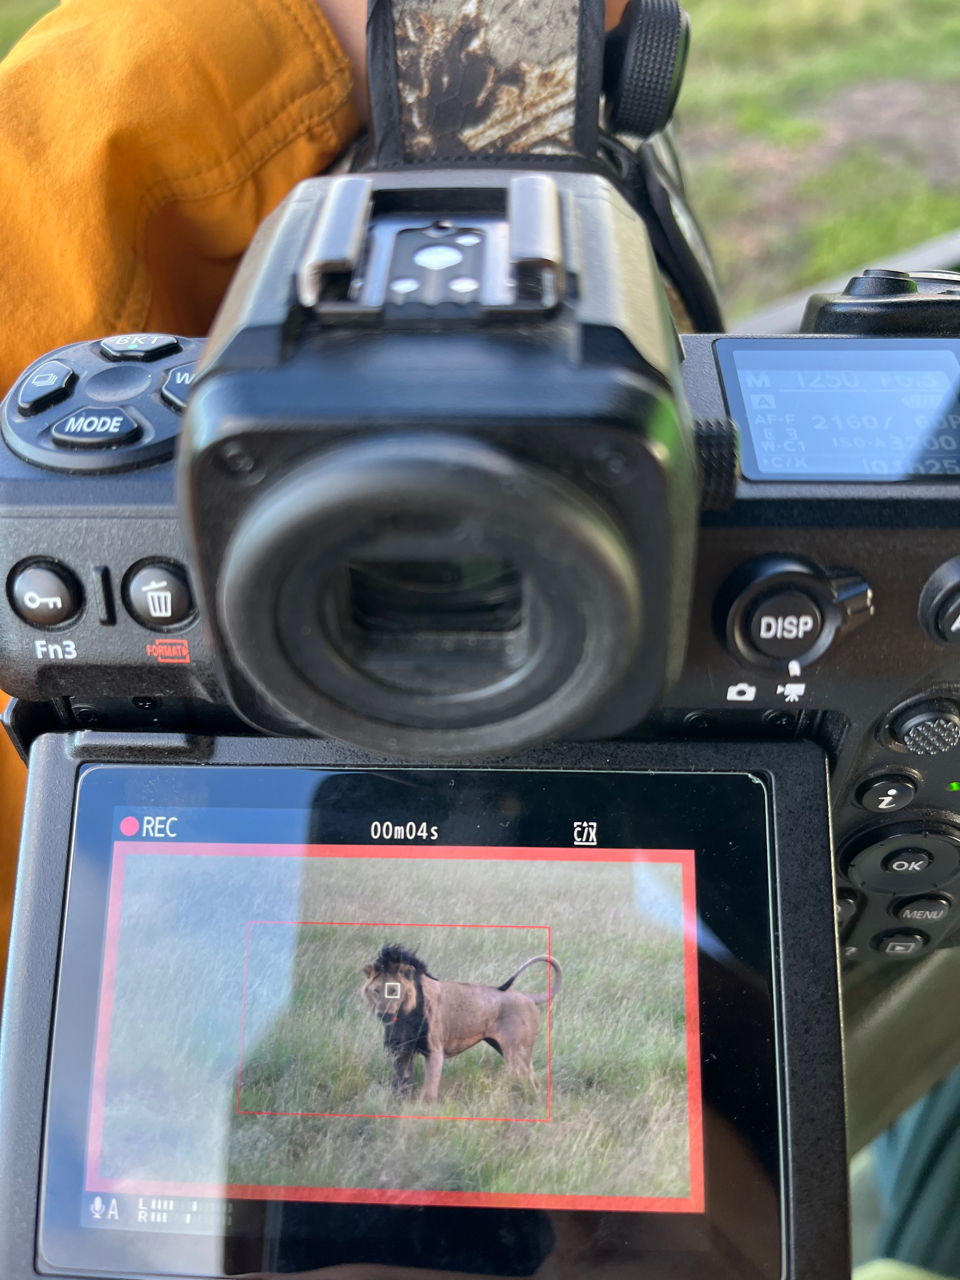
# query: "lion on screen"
[[440, 1019]]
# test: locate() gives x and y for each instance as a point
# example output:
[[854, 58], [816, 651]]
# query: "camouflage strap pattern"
[[480, 79]]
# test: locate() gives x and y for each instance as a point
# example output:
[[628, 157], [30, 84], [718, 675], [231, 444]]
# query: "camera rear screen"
[[303, 1013], [854, 409]]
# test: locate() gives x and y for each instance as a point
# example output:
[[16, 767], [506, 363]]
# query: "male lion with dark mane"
[[438, 1019]]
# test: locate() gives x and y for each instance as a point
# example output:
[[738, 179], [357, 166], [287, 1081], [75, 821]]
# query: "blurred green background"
[[15, 17], [817, 134]]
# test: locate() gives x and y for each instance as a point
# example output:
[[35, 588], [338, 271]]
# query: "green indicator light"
[[953, 786]]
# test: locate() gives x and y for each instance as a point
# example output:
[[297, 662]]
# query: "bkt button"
[[94, 429], [139, 346], [786, 625]]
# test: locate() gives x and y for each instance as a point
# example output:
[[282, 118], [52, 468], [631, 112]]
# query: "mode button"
[[95, 429]]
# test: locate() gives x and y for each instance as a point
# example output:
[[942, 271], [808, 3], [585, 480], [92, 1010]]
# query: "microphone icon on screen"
[[97, 1208]]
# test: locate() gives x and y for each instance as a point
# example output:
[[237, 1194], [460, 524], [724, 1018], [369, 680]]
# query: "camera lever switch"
[[781, 611]]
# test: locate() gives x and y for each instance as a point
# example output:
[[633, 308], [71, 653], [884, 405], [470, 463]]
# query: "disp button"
[[786, 625]]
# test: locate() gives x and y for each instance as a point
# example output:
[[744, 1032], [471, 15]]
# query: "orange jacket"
[[140, 146]]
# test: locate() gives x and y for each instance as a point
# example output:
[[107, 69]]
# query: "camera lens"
[[430, 595]]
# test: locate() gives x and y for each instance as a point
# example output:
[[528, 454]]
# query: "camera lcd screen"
[[411, 1016], [854, 409]]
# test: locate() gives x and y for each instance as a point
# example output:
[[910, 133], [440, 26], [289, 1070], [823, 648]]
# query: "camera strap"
[[456, 82]]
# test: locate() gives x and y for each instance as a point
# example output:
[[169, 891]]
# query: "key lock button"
[[783, 612], [44, 594]]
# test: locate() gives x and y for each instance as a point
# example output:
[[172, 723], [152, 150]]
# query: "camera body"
[[347, 451]]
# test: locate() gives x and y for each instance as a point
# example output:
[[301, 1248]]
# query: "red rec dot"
[[129, 826]]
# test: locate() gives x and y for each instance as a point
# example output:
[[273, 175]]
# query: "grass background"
[[618, 1098], [17, 16], [818, 134]]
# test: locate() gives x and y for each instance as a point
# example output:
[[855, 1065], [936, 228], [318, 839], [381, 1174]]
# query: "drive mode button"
[[786, 625], [95, 429]]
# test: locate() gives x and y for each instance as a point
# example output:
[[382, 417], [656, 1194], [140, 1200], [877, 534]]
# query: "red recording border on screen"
[[122, 849]]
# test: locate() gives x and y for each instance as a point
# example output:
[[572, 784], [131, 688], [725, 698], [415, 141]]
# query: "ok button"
[[785, 625], [95, 429], [906, 862]]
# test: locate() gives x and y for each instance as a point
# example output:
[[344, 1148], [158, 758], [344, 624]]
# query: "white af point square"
[[391, 991]]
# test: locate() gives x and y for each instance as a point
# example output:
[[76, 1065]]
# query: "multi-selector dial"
[[928, 728]]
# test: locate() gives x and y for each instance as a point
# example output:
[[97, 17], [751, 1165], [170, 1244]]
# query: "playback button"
[[91, 428], [901, 944]]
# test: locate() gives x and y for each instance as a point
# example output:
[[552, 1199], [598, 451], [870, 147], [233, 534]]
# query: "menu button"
[[924, 910]]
